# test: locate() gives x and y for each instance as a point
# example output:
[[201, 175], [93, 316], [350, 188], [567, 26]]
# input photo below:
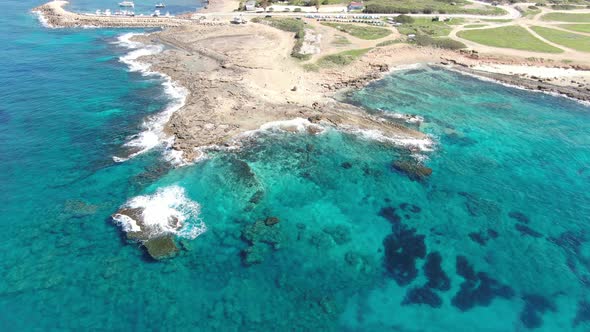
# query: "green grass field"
[[508, 37], [360, 31], [426, 26], [567, 39], [342, 58], [577, 27], [566, 17], [428, 7], [471, 26]]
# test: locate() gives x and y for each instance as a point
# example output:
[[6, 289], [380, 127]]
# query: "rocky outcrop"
[[157, 244], [412, 169], [579, 92]]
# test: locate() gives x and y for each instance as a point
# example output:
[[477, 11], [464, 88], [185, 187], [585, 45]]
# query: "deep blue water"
[[496, 239]]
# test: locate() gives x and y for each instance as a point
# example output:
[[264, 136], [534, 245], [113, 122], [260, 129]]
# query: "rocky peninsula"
[[242, 78]]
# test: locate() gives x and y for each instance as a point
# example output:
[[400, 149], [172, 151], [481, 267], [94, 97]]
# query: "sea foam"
[[42, 19], [152, 134], [168, 203]]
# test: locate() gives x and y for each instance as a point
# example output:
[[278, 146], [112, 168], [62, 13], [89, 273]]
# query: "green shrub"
[[297, 10], [389, 42], [404, 19], [342, 58]]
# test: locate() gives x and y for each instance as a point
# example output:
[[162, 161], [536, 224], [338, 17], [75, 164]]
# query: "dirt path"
[[329, 40]]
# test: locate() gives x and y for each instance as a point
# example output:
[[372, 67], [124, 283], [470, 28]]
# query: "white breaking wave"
[[409, 118], [168, 203], [153, 134], [294, 125], [42, 19], [421, 144]]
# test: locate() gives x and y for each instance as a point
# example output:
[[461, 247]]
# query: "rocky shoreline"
[[228, 99], [578, 92]]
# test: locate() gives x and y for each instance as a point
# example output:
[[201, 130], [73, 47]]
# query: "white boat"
[[156, 13], [98, 12], [160, 5], [127, 4], [107, 12]]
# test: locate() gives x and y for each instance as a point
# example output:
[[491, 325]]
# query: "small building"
[[250, 5], [355, 6]]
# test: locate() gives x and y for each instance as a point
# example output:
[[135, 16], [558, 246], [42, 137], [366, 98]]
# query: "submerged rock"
[[526, 230], [478, 206], [519, 216], [339, 233], [161, 247], [346, 165], [390, 214], [422, 295], [413, 170], [402, 248], [78, 209], [271, 221], [583, 313], [478, 289], [437, 278], [259, 236], [535, 306], [261, 232]]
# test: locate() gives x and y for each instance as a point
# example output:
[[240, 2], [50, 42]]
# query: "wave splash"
[[153, 134], [168, 211]]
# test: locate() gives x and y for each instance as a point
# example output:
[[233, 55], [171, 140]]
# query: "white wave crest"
[[152, 134], [168, 203], [421, 144], [409, 118], [42, 19]]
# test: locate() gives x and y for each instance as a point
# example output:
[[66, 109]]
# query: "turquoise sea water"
[[496, 239]]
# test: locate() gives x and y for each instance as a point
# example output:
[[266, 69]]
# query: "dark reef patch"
[[4, 117], [526, 230], [479, 238], [492, 233], [346, 165], [482, 237], [461, 140], [422, 295], [583, 313], [570, 241], [534, 307], [478, 206], [519, 217], [390, 214], [410, 207], [478, 289], [437, 278], [402, 248]]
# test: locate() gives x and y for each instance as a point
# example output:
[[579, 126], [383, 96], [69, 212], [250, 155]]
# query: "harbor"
[[55, 15]]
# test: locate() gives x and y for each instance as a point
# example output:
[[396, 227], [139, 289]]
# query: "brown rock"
[[414, 170], [161, 247], [271, 221]]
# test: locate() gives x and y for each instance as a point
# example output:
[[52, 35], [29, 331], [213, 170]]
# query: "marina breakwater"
[[54, 15]]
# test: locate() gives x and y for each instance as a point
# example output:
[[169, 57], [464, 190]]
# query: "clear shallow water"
[[504, 157]]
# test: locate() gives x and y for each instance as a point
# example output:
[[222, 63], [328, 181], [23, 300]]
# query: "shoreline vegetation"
[[242, 78]]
